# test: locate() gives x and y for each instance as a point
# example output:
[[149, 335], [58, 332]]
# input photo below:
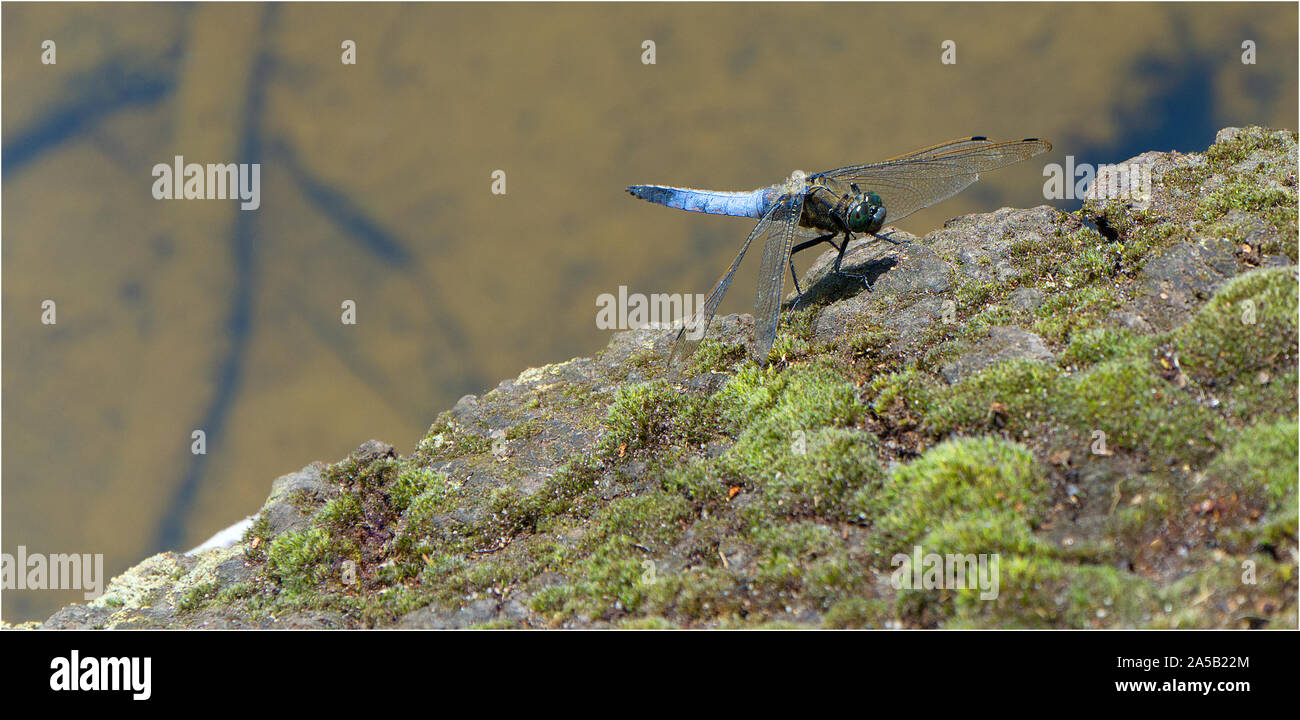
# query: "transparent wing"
[[771, 274], [777, 228], [924, 177]]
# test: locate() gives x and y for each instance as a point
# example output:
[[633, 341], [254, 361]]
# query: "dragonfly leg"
[[827, 238], [840, 259], [889, 237]]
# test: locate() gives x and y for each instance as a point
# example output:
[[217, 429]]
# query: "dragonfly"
[[854, 199]]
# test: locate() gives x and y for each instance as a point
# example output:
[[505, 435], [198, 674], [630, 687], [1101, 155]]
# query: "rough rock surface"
[[1104, 400]]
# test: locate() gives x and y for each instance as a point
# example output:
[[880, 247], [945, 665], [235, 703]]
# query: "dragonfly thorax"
[[866, 213]]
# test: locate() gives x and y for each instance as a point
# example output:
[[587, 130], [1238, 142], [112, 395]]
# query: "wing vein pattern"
[[779, 220]]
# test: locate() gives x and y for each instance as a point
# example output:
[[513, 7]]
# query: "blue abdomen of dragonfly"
[[752, 204]]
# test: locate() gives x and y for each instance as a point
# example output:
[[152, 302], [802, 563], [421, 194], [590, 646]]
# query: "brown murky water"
[[376, 178]]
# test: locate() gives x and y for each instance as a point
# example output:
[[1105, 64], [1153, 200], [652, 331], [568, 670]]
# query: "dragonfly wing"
[[978, 141], [924, 177], [779, 236], [689, 337]]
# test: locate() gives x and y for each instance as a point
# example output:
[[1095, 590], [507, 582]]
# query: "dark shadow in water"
[[355, 224], [111, 87], [230, 370], [339, 208], [1178, 115]]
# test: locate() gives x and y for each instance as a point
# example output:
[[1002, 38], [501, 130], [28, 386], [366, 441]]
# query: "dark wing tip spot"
[[979, 137]]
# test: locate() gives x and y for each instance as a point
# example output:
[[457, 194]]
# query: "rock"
[[1026, 299], [282, 511], [1001, 344], [78, 617], [373, 450], [1176, 281], [475, 613], [619, 489]]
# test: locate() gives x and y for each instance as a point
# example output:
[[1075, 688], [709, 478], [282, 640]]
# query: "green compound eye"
[[868, 215]]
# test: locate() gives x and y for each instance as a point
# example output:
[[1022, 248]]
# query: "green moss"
[[341, 513], [1246, 592], [1246, 191], [303, 501], [1073, 259], [643, 358], [524, 430], [1125, 399], [1223, 155], [1136, 409], [1092, 261], [256, 539], [1064, 314], [789, 445], [860, 612], [1011, 395], [906, 392], [804, 397], [1100, 344], [700, 595], [439, 496], [1143, 506], [1270, 396], [956, 478], [617, 566], [1273, 533], [653, 416], [870, 343], [1259, 468], [446, 440], [450, 521], [795, 335], [1122, 392], [197, 597], [236, 592], [1147, 239], [696, 479], [988, 531], [1041, 592], [795, 451], [832, 473], [413, 482], [805, 562], [1244, 196], [646, 623], [1248, 326], [561, 492], [1186, 179], [303, 559], [715, 356], [973, 295], [652, 520]]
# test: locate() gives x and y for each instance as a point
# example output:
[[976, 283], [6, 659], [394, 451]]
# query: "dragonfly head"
[[866, 214]]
